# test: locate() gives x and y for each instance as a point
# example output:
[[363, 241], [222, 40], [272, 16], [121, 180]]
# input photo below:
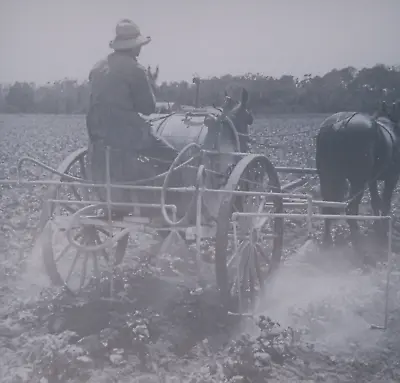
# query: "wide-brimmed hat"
[[128, 36]]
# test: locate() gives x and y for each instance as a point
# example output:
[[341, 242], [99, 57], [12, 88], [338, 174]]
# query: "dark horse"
[[362, 150]]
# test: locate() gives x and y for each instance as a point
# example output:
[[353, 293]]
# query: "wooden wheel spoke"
[[84, 271], [257, 268], [251, 272], [66, 248], [95, 265], [103, 252], [236, 254], [63, 252], [78, 254], [240, 271], [243, 283], [248, 275]]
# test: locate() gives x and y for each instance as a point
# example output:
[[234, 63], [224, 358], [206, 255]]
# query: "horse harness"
[[396, 153], [342, 120]]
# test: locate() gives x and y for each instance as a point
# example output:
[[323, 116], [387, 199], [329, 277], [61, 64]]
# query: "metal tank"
[[181, 129]]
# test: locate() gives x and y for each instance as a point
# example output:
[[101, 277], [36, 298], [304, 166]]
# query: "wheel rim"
[[76, 165], [242, 270]]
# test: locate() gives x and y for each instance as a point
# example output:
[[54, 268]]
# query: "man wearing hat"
[[120, 89]]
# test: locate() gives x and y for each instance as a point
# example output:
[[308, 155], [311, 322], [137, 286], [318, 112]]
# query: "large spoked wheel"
[[243, 266], [65, 264]]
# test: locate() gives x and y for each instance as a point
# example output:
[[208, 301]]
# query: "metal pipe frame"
[[309, 216], [146, 188], [291, 204], [299, 201]]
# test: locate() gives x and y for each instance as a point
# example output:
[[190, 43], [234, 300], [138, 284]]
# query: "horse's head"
[[238, 112], [229, 103], [234, 113]]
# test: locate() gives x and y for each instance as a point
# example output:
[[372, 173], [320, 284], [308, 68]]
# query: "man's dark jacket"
[[120, 90]]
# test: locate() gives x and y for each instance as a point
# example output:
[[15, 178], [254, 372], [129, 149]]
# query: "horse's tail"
[[377, 136], [327, 143], [329, 168], [332, 156]]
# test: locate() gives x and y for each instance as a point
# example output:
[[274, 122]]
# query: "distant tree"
[[3, 92], [21, 98], [339, 89]]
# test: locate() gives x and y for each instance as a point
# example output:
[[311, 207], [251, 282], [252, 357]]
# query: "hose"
[[165, 184]]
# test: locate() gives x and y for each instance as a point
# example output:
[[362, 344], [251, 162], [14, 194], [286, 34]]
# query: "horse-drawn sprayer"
[[203, 185]]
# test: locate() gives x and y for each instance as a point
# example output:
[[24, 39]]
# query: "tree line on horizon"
[[338, 90]]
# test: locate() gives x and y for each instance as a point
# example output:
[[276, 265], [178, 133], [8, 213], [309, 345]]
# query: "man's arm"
[[142, 92]]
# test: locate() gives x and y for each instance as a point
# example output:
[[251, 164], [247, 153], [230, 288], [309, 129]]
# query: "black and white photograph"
[[199, 191]]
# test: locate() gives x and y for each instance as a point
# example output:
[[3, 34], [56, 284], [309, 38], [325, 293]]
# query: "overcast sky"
[[46, 40]]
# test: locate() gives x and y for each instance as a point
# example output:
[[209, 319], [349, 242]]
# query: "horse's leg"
[[387, 194], [376, 205], [332, 189], [375, 198], [357, 188]]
